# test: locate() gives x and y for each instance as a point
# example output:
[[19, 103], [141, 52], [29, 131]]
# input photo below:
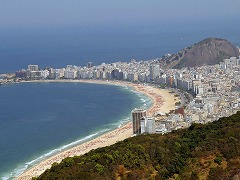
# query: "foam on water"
[[146, 102], [21, 168]]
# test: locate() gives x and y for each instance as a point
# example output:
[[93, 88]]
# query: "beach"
[[163, 101]]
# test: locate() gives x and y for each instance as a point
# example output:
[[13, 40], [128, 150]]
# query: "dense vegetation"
[[210, 151]]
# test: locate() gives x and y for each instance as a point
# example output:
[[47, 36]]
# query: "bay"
[[38, 120]]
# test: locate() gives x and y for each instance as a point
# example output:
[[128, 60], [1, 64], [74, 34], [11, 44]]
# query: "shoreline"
[[162, 101]]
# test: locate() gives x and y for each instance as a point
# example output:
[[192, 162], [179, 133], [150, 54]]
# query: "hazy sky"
[[64, 13]]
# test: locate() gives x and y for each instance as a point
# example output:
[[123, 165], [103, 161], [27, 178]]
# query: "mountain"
[[209, 51], [209, 151]]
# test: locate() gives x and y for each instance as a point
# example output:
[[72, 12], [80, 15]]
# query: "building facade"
[[137, 114]]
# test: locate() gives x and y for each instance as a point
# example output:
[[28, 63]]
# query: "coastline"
[[163, 102]]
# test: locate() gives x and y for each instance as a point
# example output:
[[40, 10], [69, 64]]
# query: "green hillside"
[[210, 151]]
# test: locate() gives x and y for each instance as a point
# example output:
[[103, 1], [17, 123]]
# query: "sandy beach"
[[163, 102]]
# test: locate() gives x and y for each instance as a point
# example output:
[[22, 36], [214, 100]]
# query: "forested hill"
[[210, 151]]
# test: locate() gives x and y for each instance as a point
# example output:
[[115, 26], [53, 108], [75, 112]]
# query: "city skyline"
[[214, 88]]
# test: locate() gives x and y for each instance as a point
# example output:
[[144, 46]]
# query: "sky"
[[116, 13]]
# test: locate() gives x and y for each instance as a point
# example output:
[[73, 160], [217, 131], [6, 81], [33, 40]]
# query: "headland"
[[163, 101]]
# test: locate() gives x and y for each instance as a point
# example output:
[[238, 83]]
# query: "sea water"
[[38, 120], [59, 47]]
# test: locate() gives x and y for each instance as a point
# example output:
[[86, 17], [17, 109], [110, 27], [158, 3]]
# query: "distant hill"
[[210, 151], [209, 51]]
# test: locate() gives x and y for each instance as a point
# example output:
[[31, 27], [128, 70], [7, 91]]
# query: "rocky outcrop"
[[209, 51]]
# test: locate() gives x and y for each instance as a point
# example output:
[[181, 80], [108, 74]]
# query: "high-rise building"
[[117, 74], [148, 125], [137, 114], [70, 74], [21, 74], [33, 67], [89, 64], [154, 71]]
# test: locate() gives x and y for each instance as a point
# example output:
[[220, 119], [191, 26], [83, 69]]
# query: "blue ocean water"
[[58, 47], [40, 119]]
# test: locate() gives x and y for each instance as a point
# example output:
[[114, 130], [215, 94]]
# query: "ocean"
[[38, 120], [75, 46]]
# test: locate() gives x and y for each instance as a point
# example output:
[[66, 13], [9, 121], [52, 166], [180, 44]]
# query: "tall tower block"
[[137, 114]]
